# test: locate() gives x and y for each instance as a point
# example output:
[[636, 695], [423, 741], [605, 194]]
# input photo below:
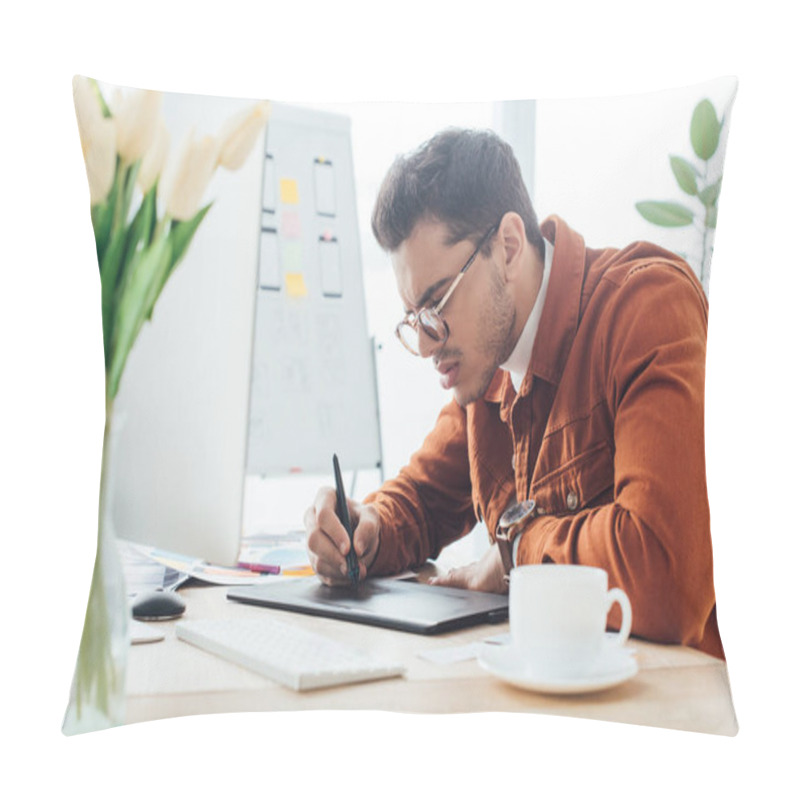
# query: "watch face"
[[516, 513]]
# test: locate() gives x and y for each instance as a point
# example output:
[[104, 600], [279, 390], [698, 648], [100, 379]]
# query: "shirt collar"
[[517, 364], [559, 317]]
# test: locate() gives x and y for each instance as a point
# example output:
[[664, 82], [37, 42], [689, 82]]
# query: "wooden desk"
[[676, 687]]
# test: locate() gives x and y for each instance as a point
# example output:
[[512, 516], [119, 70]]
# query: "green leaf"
[[100, 99], [109, 280], [129, 185], [710, 194], [665, 214], [704, 130], [684, 173], [154, 219], [711, 217], [134, 303], [103, 215], [140, 229], [180, 235]]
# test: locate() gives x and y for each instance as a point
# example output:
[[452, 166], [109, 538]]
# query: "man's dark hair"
[[467, 179]]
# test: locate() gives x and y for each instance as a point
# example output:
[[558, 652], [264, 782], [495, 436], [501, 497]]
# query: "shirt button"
[[572, 501]]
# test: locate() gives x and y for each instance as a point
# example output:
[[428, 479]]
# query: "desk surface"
[[676, 687]]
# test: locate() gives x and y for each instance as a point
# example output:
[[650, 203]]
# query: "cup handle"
[[616, 595]]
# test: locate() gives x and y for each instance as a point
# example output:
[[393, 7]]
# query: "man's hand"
[[328, 542], [486, 575]]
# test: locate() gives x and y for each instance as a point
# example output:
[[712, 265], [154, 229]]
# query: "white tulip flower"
[[186, 178], [87, 105], [137, 114], [239, 134], [98, 140], [154, 159]]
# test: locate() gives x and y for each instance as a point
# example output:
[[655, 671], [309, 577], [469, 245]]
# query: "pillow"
[[236, 319]]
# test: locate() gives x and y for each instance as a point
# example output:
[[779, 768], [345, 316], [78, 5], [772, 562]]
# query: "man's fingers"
[[333, 527], [320, 545], [326, 519], [486, 575], [331, 572], [328, 542], [364, 540], [455, 578], [310, 519]]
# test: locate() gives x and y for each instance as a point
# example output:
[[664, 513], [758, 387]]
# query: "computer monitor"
[[178, 454], [223, 382]]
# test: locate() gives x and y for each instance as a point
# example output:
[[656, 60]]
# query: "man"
[[577, 378]]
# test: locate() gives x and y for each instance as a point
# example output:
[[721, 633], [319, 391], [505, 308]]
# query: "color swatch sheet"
[[285, 551]]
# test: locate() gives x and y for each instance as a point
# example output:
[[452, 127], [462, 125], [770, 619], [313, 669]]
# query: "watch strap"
[[506, 548], [511, 523]]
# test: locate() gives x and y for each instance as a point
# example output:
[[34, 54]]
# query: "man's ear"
[[512, 238]]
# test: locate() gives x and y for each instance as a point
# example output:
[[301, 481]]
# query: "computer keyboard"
[[286, 653]]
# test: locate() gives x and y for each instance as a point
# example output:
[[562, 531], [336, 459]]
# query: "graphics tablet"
[[403, 605]]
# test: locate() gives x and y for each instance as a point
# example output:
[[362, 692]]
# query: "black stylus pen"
[[344, 517]]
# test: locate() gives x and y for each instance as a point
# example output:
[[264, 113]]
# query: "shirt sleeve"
[[429, 504], [654, 538]]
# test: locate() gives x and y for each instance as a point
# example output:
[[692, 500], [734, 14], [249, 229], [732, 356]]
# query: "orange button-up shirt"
[[606, 435]]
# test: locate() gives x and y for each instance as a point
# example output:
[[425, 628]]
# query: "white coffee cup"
[[558, 616]]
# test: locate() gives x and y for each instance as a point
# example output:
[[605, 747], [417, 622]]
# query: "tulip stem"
[[161, 227]]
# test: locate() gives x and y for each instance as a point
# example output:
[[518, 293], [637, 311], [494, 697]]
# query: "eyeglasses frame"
[[412, 318]]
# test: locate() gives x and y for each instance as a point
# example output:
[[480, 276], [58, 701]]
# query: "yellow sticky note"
[[289, 193], [297, 572], [296, 284]]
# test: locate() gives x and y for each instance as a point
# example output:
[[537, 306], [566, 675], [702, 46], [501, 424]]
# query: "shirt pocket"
[[584, 481]]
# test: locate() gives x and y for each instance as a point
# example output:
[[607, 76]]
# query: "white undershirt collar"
[[517, 364]]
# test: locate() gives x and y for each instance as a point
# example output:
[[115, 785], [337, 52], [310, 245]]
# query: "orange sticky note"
[[289, 193], [298, 572], [296, 284]]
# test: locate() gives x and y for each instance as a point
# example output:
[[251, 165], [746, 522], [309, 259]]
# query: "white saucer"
[[616, 665]]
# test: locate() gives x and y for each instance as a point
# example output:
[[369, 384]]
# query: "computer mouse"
[[157, 605]]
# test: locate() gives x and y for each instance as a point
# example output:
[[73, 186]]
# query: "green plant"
[[145, 211], [702, 183]]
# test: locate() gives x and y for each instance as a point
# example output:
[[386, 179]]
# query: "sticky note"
[[298, 572], [296, 284], [292, 257], [289, 193], [290, 225]]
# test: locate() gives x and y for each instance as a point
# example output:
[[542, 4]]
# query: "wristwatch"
[[511, 523]]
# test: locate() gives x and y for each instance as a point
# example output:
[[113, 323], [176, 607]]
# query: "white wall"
[[596, 157]]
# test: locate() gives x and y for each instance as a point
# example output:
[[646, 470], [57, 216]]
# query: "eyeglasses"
[[429, 320]]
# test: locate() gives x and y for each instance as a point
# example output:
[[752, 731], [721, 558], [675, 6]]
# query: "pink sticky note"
[[290, 225]]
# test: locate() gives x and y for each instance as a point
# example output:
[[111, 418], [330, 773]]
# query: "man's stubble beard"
[[497, 339]]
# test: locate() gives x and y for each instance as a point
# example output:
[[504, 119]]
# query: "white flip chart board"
[[313, 388]]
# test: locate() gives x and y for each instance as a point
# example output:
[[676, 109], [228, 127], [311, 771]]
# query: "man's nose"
[[427, 345]]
